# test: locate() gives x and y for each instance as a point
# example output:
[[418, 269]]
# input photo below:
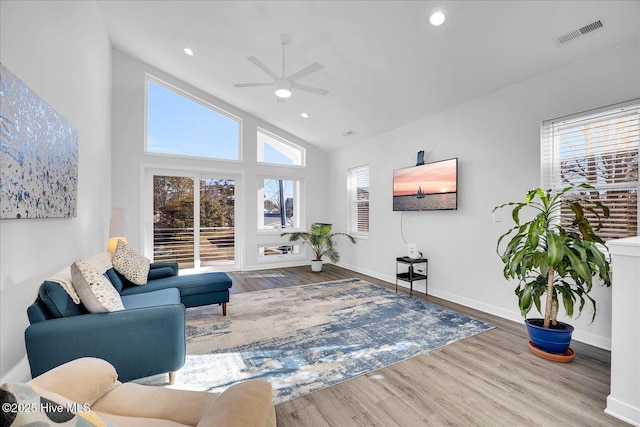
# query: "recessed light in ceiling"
[[305, 115], [188, 51], [436, 19]]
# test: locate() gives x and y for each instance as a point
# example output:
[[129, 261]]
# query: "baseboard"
[[278, 264], [580, 336], [375, 274], [594, 340], [623, 411], [20, 373], [477, 305]]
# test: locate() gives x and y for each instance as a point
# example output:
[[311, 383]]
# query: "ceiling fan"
[[283, 83]]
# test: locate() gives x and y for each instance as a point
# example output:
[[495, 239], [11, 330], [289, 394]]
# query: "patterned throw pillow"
[[96, 293], [25, 404], [133, 266]]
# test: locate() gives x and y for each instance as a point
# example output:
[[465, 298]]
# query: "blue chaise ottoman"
[[195, 289]]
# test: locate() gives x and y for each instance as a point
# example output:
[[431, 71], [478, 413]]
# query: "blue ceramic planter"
[[547, 339]]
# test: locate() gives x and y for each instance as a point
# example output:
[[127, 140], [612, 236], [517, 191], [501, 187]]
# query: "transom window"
[[181, 124], [599, 148], [277, 150]]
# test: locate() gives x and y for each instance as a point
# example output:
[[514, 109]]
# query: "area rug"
[[306, 338]]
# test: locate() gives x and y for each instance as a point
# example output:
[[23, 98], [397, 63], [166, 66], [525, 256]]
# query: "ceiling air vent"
[[577, 33]]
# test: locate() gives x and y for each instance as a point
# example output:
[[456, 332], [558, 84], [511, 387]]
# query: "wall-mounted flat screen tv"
[[432, 186]]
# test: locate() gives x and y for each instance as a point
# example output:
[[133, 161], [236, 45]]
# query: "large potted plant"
[[320, 239], [554, 259]]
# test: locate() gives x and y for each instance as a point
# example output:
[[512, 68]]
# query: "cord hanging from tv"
[[426, 187]]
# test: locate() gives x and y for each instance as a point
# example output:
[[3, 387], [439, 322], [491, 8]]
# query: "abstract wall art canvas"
[[38, 155]]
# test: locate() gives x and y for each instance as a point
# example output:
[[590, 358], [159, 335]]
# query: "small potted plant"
[[320, 239], [558, 260]]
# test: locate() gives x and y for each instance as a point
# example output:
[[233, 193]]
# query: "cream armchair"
[[93, 383]]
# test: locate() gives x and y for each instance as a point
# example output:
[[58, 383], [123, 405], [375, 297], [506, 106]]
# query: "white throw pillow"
[[96, 293], [133, 266]]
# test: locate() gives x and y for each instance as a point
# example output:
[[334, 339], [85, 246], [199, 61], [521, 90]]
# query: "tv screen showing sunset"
[[432, 186]]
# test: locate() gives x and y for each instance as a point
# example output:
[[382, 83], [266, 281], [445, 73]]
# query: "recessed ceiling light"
[[188, 51], [305, 115], [436, 19]]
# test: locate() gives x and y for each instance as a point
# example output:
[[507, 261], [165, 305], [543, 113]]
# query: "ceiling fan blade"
[[311, 89], [316, 66], [252, 84], [255, 61]]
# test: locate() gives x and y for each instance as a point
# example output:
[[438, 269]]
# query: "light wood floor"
[[490, 379]]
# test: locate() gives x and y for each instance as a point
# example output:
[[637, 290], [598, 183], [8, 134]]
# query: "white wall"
[[496, 139], [128, 154], [61, 51]]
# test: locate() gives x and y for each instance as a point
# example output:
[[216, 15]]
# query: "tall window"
[[180, 124], [279, 199], [273, 149], [194, 220], [358, 187], [599, 148]]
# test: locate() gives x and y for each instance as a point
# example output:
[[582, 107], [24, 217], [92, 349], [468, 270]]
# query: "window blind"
[[358, 188], [599, 148]]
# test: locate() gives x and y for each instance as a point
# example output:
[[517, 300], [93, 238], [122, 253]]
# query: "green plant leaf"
[[515, 213], [580, 267], [567, 298], [533, 238], [524, 300], [515, 263], [577, 210], [555, 249]]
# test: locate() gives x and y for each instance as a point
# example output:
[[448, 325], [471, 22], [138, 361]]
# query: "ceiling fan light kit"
[[285, 84], [283, 88]]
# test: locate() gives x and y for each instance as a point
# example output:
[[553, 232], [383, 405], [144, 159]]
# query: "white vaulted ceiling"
[[385, 65]]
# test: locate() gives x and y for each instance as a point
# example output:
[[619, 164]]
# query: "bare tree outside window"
[[175, 231], [279, 206], [601, 151]]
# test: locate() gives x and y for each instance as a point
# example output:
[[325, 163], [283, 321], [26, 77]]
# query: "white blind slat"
[[602, 149], [358, 188]]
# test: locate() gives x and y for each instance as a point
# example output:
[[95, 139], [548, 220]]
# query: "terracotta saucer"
[[566, 357]]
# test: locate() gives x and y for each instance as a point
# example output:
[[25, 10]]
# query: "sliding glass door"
[[193, 219], [217, 215]]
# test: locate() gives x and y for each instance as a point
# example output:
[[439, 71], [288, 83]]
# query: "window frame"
[[147, 171], [279, 140], [297, 253], [168, 86], [550, 157], [298, 204], [353, 201]]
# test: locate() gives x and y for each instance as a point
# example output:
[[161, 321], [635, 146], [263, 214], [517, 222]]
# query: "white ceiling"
[[385, 66]]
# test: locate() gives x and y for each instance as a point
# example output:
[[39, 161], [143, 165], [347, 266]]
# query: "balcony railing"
[[217, 245]]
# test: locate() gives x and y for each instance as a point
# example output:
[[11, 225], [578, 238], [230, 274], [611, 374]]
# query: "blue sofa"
[[147, 338]]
